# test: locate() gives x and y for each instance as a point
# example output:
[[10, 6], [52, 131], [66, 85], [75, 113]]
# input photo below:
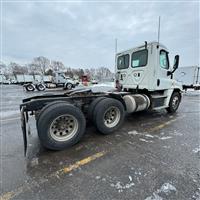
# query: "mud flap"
[[23, 126]]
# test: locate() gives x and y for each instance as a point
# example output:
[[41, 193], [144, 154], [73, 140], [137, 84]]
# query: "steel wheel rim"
[[175, 102], [41, 87], [63, 128], [30, 87], [112, 117], [69, 86]]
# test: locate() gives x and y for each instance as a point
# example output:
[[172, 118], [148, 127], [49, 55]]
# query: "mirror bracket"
[[169, 73]]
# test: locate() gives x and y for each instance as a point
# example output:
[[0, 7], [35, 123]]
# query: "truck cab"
[[61, 80], [146, 69]]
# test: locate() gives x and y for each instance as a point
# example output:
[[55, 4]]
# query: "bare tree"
[[41, 63], [57, 66], [18, 69]]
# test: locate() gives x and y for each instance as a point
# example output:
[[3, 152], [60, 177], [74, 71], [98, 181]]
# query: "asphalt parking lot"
[[153, 156]]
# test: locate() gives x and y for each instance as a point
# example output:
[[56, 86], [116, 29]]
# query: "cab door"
[[163, 80]]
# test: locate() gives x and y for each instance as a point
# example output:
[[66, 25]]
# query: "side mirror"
[[175, 67], [176, 63]]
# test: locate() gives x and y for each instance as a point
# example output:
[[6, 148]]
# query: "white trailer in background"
[[189, 77], [38, 78], [21, 78], [28, 78]]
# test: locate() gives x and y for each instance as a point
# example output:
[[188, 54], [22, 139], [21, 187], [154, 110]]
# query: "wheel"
[[29, 87], [60, 126], [37, 114], [108, 115], [69, 86], [174, 102], [40, 87], [90, 113]]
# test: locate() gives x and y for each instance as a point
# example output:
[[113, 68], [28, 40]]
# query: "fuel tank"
[[136, 102]]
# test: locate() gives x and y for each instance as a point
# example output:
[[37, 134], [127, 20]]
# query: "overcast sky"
[[82, 34]]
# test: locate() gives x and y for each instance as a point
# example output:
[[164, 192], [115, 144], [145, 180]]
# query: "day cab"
[[146, 69]]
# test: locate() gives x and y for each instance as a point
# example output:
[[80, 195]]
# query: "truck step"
[[158, 96], [160, 107]]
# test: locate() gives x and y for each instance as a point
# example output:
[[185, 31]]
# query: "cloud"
[[82, 34]]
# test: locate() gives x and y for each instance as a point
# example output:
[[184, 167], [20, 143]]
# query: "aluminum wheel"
[[112, 117], [64, 128], [175, 102]]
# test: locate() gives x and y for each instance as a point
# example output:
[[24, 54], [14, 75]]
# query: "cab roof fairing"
[[141, 47]]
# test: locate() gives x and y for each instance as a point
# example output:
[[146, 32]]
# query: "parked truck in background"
[[33, 82], [144, 81], [61, 80], [41, 82], [188, 77]]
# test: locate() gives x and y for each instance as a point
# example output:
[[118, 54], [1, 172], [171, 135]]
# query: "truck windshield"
[[123, 62], [139, 58]]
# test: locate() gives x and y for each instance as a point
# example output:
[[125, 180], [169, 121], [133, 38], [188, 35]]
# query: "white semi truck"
[[61, 80], [144, 81], [41, 82]]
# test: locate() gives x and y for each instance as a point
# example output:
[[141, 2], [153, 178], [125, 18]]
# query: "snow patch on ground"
[[165, 138], [134, 132], [166, 188], [97, 177], [117, 184], [196, 195], [176, 133], [161, 136], [149, 136], [143, 140], [121, 186], [196, 150]]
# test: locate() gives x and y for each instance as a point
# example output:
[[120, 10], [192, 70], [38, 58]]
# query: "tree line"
[[43, 66]]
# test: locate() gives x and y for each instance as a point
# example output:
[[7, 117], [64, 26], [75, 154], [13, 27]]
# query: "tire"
[[56, 136], [174, 102], [40, 87], [37, 116], [90, 113], [69, 86], [112, 109], [29, 87]]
